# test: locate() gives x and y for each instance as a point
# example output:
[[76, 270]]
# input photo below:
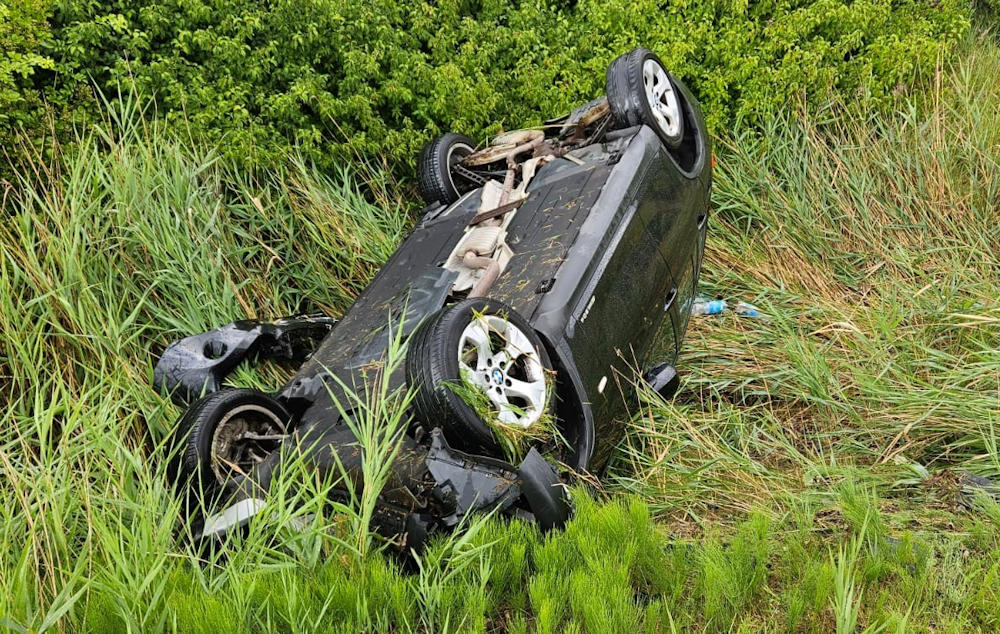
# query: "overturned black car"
[[548, 265]]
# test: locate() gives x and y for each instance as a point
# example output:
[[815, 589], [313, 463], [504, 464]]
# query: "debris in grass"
[[705, 306], [975, 488]]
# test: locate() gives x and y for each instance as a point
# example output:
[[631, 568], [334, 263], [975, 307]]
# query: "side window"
[[664, 348], [685, 294]]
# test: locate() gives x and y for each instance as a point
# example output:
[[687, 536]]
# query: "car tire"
[[436, 181], [510, 367], [641, 92], [212, 457]]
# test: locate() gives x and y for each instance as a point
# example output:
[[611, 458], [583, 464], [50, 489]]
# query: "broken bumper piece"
[[198, 364], [434, 489]]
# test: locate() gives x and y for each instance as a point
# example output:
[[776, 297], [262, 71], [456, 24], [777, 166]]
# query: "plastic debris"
[[705, 306], [708, 307], [747, 310]]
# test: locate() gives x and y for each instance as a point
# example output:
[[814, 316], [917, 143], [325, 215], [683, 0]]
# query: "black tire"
[[434, 168], [432, 365], [197, 464], [629, 103]]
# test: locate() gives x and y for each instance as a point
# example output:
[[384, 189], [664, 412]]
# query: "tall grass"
[[872, 246], [127, 243], [808, 477]]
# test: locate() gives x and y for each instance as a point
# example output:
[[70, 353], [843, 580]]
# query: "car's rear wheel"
[[478, 354], [641, 91], [226, 434], [435, 168]]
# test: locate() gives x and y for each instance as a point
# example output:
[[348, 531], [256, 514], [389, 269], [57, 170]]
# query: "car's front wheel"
[[477, 365], [641, 91], [225, 434]]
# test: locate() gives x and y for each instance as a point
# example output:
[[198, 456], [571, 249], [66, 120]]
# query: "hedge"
[[23, 30], [375, 79]]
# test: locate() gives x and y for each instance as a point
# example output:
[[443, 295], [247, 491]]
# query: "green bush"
[[376, 79], [23, 31]]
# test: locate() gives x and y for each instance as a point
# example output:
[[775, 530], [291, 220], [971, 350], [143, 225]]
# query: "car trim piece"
[[233, 516]]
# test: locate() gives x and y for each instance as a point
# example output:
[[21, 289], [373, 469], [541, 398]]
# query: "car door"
[[616, 326], [675, 213]]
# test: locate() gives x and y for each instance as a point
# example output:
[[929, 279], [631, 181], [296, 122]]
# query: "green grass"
[[807, 478], [514, 441]]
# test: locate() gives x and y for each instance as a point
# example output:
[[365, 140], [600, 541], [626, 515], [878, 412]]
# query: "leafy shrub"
[[376, 79], [23, 29]]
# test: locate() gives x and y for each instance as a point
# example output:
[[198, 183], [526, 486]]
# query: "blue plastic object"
[[711, 307]]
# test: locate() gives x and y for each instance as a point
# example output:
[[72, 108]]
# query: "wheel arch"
[[572, 401]]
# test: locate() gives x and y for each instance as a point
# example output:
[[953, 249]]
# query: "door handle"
[[671, 296]]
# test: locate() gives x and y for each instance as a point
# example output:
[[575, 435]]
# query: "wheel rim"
[[456, 153], [661, 97], [497, 358], [245, 437]]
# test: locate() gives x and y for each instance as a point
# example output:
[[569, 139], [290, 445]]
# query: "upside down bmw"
[[547, 264]]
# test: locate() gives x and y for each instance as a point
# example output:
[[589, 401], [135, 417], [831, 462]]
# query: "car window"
[[686, 292]]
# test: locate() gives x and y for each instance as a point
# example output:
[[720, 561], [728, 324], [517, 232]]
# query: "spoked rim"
[[456, 153], [661, 97], [245, 437], [498, 358]]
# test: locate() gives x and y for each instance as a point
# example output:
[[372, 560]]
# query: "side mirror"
[[663, 380]]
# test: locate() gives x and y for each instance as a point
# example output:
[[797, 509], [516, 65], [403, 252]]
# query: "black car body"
[[604, 247]]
